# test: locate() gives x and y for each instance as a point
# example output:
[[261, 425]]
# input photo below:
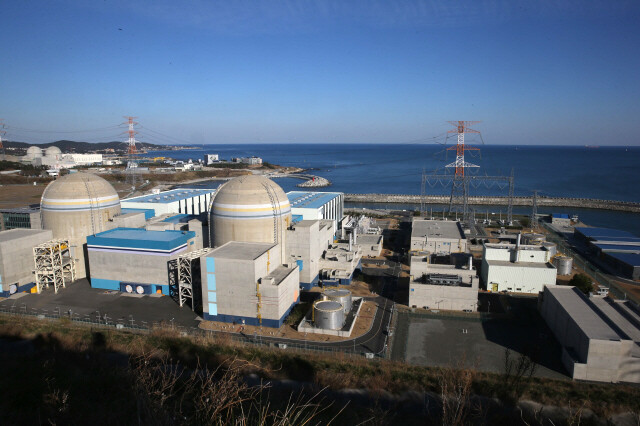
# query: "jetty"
[[588, 203]]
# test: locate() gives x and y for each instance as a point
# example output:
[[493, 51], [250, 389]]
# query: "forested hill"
[[81, 147]]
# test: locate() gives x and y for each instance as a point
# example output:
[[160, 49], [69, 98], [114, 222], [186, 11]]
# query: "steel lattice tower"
[[534, 210], [460, 185], [131, 152], [2, 133]]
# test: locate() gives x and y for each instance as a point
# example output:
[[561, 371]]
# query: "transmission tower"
[[460, 186], [2, 133], [132, 166], [510, 207], [534, 210]]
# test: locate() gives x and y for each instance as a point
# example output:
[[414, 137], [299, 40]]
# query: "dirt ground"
[[363, 324], [20, 195]]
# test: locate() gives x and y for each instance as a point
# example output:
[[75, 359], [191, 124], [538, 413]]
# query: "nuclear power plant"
[[237, 254]]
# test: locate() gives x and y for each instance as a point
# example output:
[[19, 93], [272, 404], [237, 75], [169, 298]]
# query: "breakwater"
[[588, 203]]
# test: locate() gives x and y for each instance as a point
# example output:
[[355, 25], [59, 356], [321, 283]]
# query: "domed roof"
[[79, 191], [34, 151], [52, 150], [251, 191]]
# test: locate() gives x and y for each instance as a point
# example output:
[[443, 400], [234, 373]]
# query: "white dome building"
[[249, 208], [33, 152], [77, 205], [53, 152]]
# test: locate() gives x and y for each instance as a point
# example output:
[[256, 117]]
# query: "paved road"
[[89, 304]]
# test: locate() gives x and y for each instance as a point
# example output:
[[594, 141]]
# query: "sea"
[[605, 172]]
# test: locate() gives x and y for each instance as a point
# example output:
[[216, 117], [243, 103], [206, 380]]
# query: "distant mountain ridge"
[[81, 147]]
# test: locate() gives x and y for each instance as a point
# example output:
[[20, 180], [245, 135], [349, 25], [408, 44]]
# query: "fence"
[[591, 270], [257, 340]]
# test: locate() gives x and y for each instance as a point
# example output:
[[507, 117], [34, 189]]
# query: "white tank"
[[564, 264], [551, 247], [249, 208], [328, 314], [533, 239], [341, 296], [77, 205]]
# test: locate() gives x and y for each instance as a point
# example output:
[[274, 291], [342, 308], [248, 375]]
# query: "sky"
[[272, 71]]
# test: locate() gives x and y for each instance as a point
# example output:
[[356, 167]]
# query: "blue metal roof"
[[295, 218], [604, 233], [632, 259], [619, 247], [140, 238], [180, 218], [148, 213], [310, 200], [170, 196], [560, 215]]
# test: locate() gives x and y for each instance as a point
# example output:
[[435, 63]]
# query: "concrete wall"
[[16, 256], [590, 203], [455, 298], [304, 243], [129, 220], [230, 288], [588, 358], [517, 277]]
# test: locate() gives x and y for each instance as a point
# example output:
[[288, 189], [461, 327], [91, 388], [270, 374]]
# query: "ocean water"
[[558, 171]]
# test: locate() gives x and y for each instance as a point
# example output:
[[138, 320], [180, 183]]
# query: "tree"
[[582, 282]]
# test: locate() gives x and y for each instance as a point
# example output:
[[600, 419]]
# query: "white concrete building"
[[211, 158], [181, 200], [246, 283], [440, 237], [448, 287], [599, 336], [83, 159], [517, 268], [306, 241]]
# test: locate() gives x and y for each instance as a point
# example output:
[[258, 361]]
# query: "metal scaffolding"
[[188, 275], [54, 265], [461, 205]]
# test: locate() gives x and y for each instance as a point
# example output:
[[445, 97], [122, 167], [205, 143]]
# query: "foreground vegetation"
[[63, 373]]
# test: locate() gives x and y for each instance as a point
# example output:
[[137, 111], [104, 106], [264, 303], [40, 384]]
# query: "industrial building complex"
[[247, 253]]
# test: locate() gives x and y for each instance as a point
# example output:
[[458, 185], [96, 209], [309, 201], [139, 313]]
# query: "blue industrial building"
[[135, 260], [619, 249], [181, 200]]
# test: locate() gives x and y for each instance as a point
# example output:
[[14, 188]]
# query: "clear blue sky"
[[541, 72]]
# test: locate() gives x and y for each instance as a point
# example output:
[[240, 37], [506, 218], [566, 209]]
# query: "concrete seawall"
[[587, 203]]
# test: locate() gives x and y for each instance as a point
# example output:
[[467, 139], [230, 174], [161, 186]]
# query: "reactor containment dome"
[[249, 208], [77, 205]]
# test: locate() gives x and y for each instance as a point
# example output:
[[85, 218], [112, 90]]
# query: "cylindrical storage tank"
[[328, 315], [75, 206], [249, 208], [564, 265], [551, 247], [533, 239], [341, 296]]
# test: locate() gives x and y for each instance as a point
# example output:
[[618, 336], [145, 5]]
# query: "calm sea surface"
[[605, 172]]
